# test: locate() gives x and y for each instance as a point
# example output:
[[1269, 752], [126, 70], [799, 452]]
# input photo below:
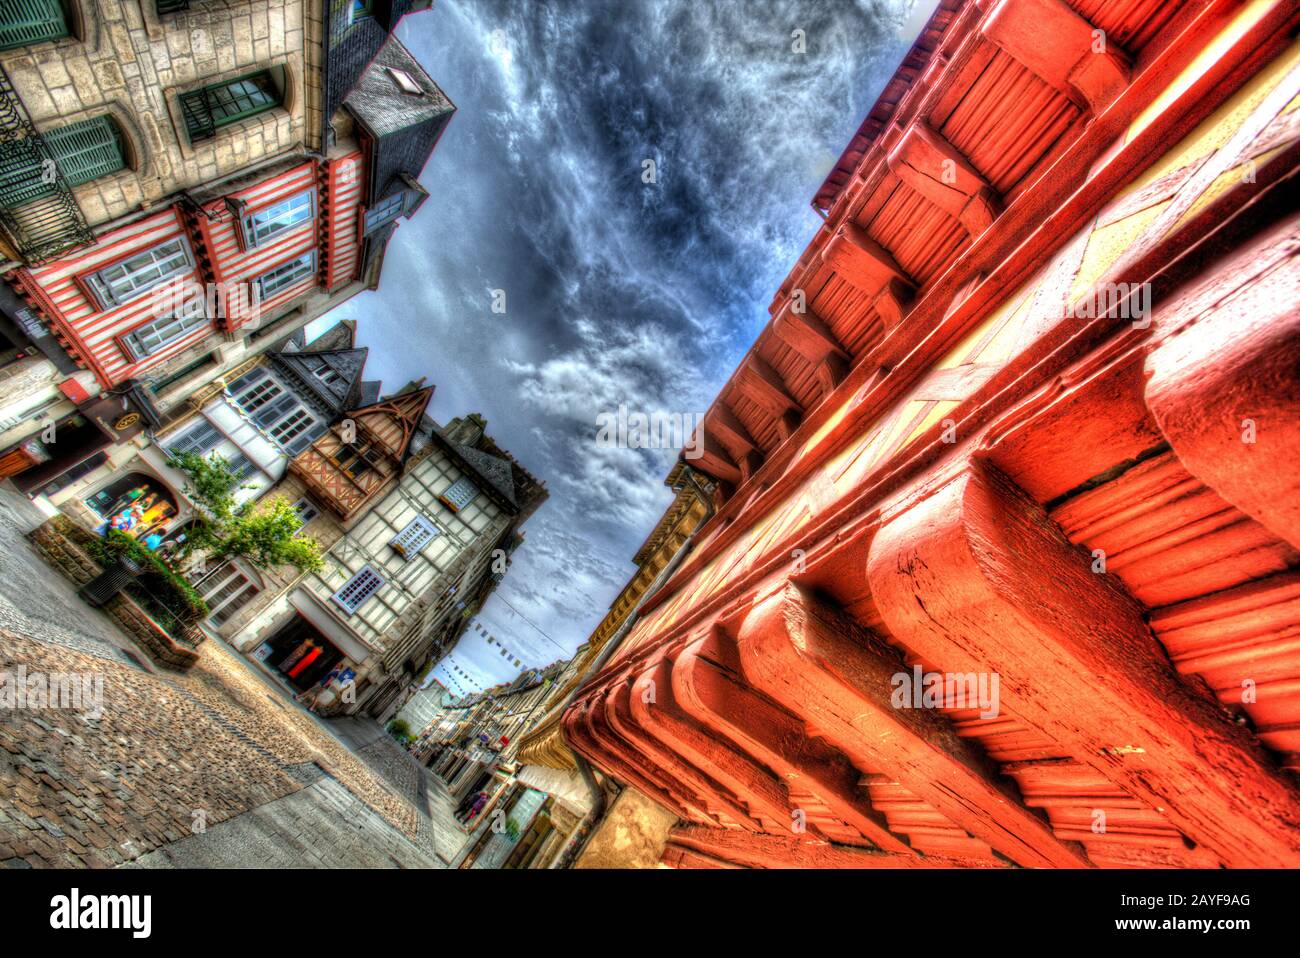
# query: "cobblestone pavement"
[[35, 600], [184, 769]]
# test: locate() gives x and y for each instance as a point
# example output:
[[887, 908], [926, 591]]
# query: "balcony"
[[38, 213]]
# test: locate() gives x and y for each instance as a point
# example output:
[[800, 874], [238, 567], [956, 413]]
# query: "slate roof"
[[344, 393], [492, 470], [383, 106]]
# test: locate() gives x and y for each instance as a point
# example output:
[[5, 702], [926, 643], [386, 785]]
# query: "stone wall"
[[62, 542], [126, 61], [632, 834]]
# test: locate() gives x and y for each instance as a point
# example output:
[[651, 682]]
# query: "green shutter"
[[30, 21], [87, 150], [83, 151]]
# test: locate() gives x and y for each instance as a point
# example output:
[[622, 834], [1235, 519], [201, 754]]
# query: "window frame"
[[451, 503], [137, 352], [249, 231], [368, 228], [203, 102], [305, 505], [309, 256], [421, 531], [100, 291], [365, 573]]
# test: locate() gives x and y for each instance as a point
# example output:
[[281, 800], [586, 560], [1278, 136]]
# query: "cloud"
[[617, 290]]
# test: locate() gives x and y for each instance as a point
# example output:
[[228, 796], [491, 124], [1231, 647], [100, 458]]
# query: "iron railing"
[[46, 225]]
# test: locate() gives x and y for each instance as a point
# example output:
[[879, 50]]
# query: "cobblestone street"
[[212, 768]]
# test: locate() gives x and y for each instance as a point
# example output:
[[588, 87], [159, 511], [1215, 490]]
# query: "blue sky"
[[617, 291]]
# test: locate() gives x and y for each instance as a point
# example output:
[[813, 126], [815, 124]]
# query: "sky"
[[615, 282]]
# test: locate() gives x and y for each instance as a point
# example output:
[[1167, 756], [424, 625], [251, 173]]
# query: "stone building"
[[544, 761], [178, 192], [1005, 566]]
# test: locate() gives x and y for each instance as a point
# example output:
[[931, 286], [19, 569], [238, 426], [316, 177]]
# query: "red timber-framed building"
[[164, 303], [975, 452]]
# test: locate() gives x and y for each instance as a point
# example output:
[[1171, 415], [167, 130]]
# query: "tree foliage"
[[265, 534]]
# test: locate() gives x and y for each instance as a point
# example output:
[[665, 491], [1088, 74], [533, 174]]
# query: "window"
[[83, 151], [200, 438], [285, 275], [419, 532], [354, 460], [405, 82], [461, 494], [241, 466], [254, 389], [306, 510], [148, 339], [358, 589], [358, 10], [226, 590], [23, 22], [293, 431], [212, 107], [385, 211], [278, 218], [127, 279], [327, 374]]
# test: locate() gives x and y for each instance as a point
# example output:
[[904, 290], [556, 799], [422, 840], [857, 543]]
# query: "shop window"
[[209, 109], [282, 217], [145, 504], [419, 532], [357, 590], [128, 278], [24, 22], [459, 495]]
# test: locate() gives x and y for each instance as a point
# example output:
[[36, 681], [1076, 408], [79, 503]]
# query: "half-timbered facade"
[[411, 520], [1003, 571]]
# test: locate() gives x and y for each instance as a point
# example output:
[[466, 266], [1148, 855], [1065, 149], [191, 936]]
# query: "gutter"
[[587, 826]]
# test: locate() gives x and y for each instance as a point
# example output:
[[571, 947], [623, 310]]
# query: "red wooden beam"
[[1224, 386], [975, 577], [724, 703], [1063, 48], [936, 169], [840, 679]]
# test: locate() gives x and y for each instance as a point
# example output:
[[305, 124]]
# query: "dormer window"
[[405, 82], [385, 211], [328, 375]]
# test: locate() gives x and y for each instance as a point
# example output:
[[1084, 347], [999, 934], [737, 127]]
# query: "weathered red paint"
[[931, 463]]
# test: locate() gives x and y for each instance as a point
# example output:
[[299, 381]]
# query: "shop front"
[[299, 654]]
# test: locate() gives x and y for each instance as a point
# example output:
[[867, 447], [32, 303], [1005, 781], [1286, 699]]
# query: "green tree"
[[266, 534]]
